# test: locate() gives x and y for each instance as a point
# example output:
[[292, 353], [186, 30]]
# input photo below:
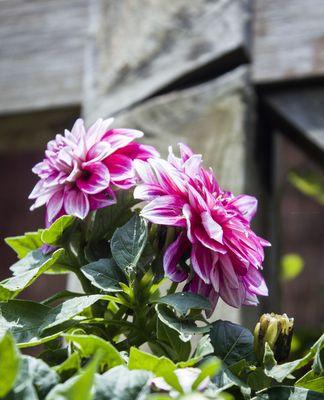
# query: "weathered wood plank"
[[215, 119], [299, 113], [139, 47], [210, 117], [288, 40], [41, 53]]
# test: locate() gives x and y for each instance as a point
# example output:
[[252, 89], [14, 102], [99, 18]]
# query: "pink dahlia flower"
[[82, 169], [213, 229]]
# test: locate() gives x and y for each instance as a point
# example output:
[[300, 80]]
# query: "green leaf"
[[231, 342], [33, 265], [317, 366], [106, 220], [30, 322], [24, 320], [89, 345], [141, 360], [128, 242], [258, 380], [69, 309], [208, 368], [9, 363], [69, 366], [34, 381], [204, 347], [282, 371], [104, 274], [79, 386], [226, 379], [160, 366], [177, 349], [269, 360], [291, 266], [311, 381], [22, 245], [63, 265], [120, 383], [185, 301], [185, 326], [54, 233], [287, 393]]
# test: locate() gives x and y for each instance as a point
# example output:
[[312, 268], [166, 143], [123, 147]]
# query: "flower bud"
[[276, 330]]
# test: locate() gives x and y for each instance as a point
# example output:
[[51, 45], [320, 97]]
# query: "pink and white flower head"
[[214, 230], [82, 169]]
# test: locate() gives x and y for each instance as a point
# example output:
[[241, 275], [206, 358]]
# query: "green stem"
[[173, 287]]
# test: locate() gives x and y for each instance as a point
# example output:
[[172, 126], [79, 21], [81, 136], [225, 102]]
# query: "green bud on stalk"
[[276, 330]]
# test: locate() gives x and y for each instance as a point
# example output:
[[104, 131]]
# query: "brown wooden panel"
[[17, 181], [41, 53], [298, 112], [301, 231], [288, 38]]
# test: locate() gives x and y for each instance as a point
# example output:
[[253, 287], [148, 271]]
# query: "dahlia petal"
[[55, 205], [76, 203], [73, 174], [172, 159], [139, 151], [247, 205], [185, 151], [39, 167], [255, 282], [120, 167], [147, 192], [264, 242], [198, 286], [165, 210], [201, 261], [43, 197], [192, 165], [168, 177], [172, 257], [214, 230], [98, 152], [103, 199], [186, 210], [96, 180], [38, 190], [228, 271], [214, 278], [144, 171], [119, 138], [195, 199], [250, 299], [232, 297], [206, 241], [78, 130], [97, 131], [125, 184]]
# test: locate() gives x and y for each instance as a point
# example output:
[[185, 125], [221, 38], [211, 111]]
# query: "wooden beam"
[[298, 112], [41, 53], [139, 48], [288, 37]]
